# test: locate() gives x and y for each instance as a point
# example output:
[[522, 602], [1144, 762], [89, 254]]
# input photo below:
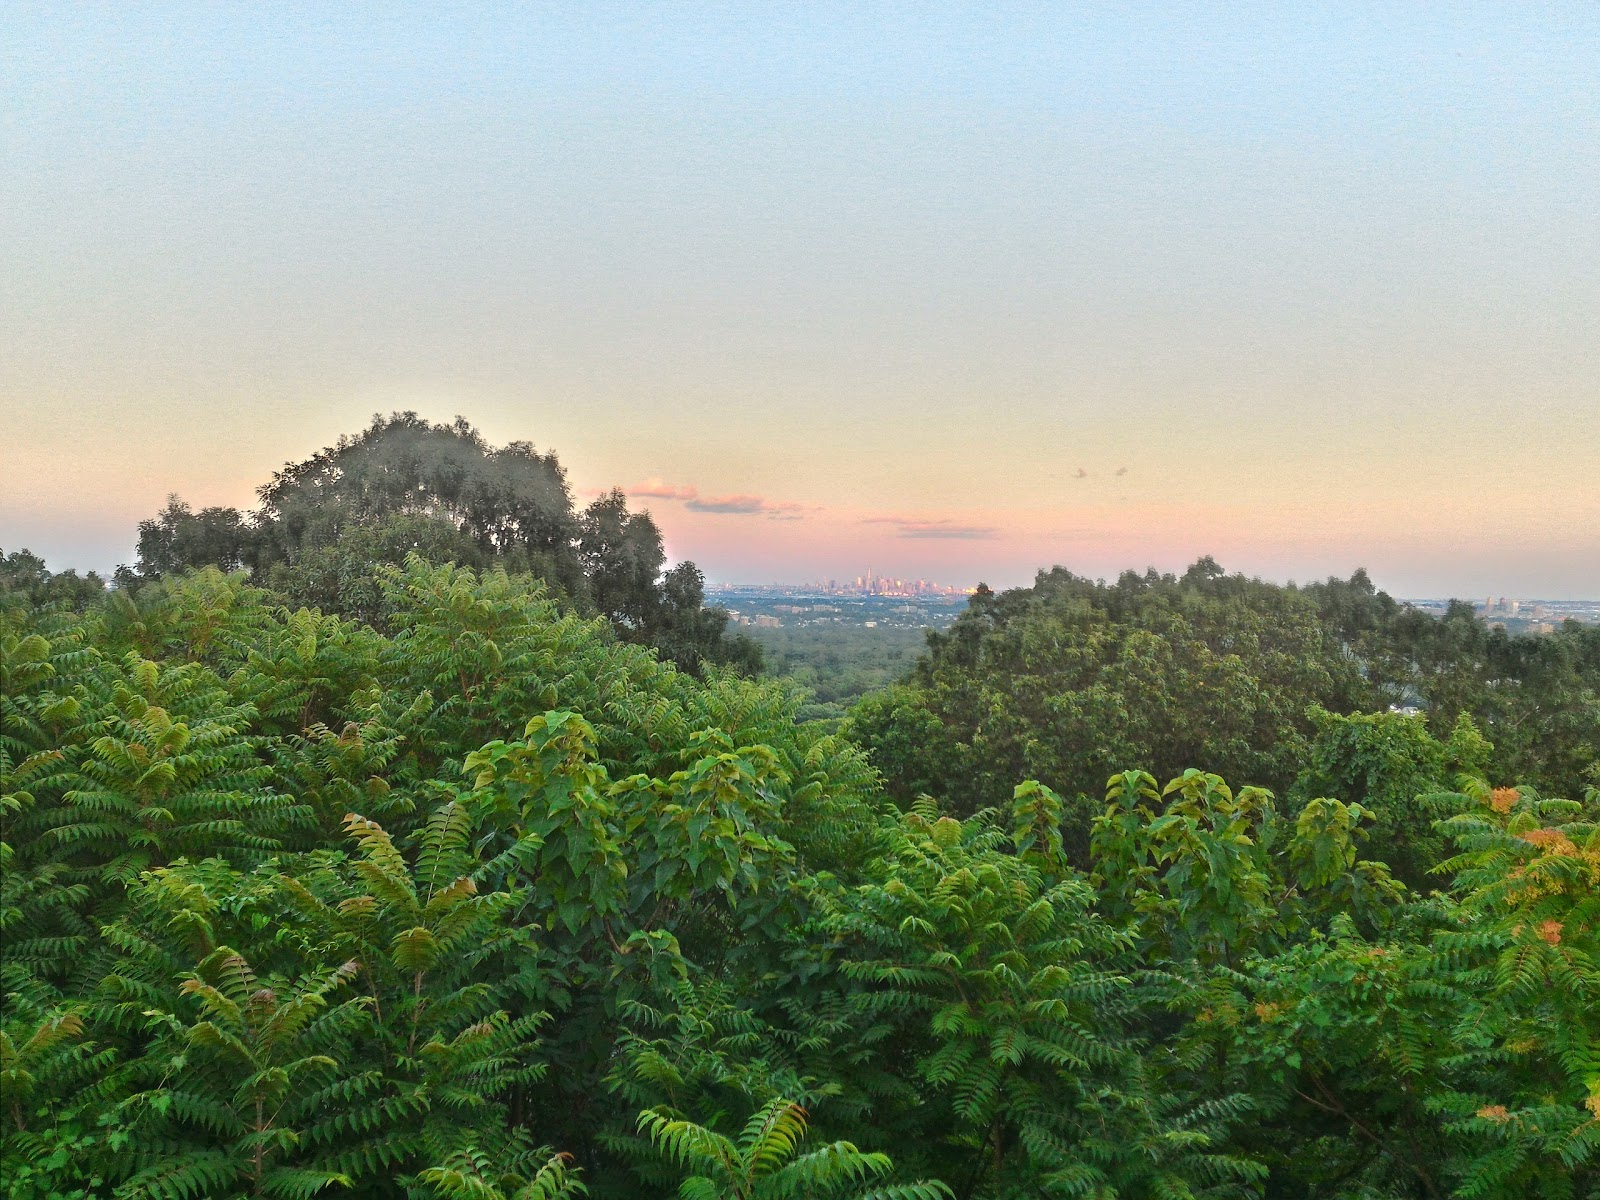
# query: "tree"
[[177, 539], [1388, 763], [622, 557], [694, 635], [1070, 680], [405, 486], [293, 905], [25, 581], [507, 501], [979, 959]]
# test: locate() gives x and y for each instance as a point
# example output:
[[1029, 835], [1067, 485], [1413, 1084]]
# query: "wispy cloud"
[[748, 506], [656, 488], [918, 527], [942, 529], [727, 504]]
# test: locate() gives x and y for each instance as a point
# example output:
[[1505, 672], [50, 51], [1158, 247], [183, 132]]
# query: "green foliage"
[[622, 556], [1527, 910], [764, 1162], [838, 665], [336, 575], [506, 500], [407, 487], [24, 582], [178, 538], [471, 1175], [1324, 864], [991, 972], [1536, 697], [485, 900], [1388, 762], [1454, 1055], [182, 771], [1070, 680]]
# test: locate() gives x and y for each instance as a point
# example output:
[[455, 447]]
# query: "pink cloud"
[[656, 488], [775, 510], [727, 504]]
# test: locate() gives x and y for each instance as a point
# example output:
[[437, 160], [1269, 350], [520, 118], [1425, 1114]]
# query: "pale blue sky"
[[1324, 279]]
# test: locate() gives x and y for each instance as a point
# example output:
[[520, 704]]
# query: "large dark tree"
[[1535, 696], [512, 501], [1063, 680], [406, 486], [690, 633], [622, 558]]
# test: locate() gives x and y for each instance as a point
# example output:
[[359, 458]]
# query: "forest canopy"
[[1071, 679], [474, 895]]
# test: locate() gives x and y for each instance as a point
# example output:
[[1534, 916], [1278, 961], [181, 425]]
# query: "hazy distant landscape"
[[1524, 616]]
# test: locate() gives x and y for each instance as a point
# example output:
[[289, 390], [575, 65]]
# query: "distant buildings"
[[872, 584], [1527, 616]]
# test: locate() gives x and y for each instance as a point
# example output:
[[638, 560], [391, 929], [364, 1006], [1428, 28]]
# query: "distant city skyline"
[[963, 291]]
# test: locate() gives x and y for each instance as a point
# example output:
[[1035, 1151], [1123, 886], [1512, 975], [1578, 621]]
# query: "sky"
[[948, 291]]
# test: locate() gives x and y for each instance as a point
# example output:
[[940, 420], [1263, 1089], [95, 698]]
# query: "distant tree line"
[[837, 665]]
